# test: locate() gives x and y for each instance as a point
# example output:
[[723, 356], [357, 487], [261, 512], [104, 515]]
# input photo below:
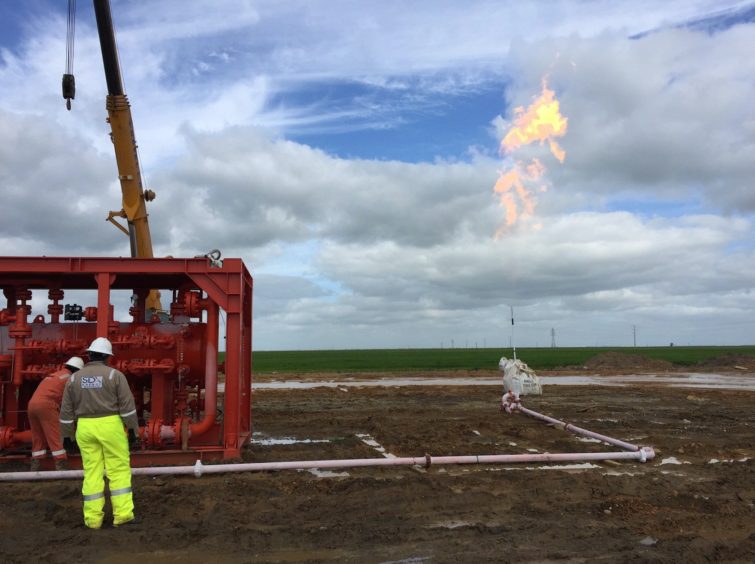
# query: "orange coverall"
[[44, 415]]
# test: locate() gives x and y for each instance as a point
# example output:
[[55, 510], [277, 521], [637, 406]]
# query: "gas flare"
[[542, 122]]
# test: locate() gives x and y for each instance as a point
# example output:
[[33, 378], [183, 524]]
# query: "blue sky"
[[418, 133], [348, 152]]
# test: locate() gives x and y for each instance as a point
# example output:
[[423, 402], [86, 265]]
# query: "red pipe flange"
[[152, 432], [194, 304]]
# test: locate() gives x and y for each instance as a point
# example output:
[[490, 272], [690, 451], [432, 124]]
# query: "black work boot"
[[35, 465], [62, 464], [134, 521]]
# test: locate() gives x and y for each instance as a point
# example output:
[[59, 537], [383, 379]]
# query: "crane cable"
[[69, 84]]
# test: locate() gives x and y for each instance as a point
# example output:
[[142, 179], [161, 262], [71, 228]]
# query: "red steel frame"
[[171, 365]]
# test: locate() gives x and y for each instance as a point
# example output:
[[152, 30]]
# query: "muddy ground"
[[688, 509]]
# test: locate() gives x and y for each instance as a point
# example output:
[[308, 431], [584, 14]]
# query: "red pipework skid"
[[170, 359]]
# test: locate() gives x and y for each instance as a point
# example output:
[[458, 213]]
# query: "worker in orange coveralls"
[[44, 412]]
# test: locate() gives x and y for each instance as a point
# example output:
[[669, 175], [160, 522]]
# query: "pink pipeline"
[[509, 402], [200, 469]]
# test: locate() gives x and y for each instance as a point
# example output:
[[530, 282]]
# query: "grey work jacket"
[[97, 391]]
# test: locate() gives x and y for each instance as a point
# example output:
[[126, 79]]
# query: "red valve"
[[23, 295], [21, 329], [55, 294], [55, 309]]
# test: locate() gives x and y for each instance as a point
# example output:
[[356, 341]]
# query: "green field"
[[388, 360]]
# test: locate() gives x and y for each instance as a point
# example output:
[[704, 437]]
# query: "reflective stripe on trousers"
[[104, 447]]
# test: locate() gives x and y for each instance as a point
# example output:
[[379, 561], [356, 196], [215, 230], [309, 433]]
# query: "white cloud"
[[53, 183], [662, 116], [253, 189], [359, 252]]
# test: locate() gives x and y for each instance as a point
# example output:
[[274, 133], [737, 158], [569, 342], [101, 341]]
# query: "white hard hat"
[[75, 362], [101, 345]]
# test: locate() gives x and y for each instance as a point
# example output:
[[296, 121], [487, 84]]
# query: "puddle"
[[579, 466], [369, 441], [673, 460], [328, 473], [680, 380], [451, 525], [744, 382], [286, 441], [588, 440], [621, 473], [728, 460], [267, 441]]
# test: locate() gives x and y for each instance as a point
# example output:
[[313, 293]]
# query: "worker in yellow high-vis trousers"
[[98, 401]]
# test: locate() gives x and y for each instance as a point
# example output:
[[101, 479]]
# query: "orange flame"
[[541, 121], [514, 194]]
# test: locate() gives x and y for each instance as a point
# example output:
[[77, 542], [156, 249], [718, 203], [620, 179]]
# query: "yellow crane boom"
[[135, 197]]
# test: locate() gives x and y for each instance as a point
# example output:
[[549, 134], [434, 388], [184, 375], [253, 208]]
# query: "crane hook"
[[69, 84], [69, 89]]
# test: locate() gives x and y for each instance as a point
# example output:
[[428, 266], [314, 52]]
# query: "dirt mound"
[[625, 361], [729, 362]]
